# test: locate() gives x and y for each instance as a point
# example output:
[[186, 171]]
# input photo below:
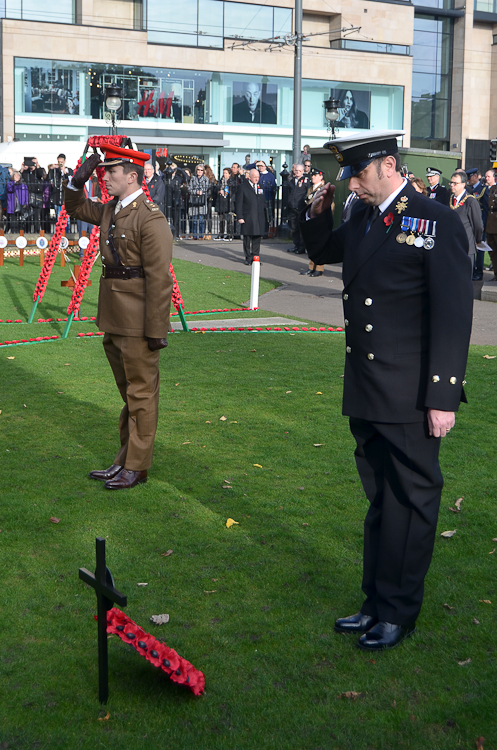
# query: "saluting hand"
[[323, 200]]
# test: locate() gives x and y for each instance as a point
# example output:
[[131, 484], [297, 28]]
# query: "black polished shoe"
[[246, 262], [291, 249], [385, 635], [316, 273], [477, 277], [358, 623], [307, 272], [300, 252], [106, 474], [126, 479]]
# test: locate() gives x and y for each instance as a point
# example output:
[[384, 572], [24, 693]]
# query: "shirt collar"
[[391, 197], [129, 198]]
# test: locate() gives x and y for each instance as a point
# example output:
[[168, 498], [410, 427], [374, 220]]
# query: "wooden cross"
[[103, 583]]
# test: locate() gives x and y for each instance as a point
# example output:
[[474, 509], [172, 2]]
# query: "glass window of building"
[[44, 88], [62, 11], [431, 82]]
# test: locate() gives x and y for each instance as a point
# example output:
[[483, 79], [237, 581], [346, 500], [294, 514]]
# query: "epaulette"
[[151, 206]]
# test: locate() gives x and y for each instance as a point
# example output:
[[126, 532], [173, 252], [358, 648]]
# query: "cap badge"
[[336, 152], [134, 204]]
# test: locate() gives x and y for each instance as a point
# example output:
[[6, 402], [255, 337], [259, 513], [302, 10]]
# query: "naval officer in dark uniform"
[[408, 308], [436, 190]]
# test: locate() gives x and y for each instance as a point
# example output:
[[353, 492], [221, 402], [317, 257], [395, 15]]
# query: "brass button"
[[123, 235], [370, 355], [348, 350], [368, 301], [452, 380], [106, 242], [346, 322], [369, 328], [345, 296], [436, 378]]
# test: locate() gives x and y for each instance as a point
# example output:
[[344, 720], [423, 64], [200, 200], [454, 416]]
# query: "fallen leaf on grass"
[[25, 406], [253, 350], [258, 466], [394, 704], [318, 393], [479, 743], [104, 718], [485, 601], [159, 619], [210, 592], [176, 384], [223, 419], [305, 524], [187, 442], [208, 421], [318, 445], [67, 364], [142, 584], [10, 357], [492, 552], [448, 607], [493, 540], [475, 621], [463, 663], [489, 356], [226, 487], [230, 522], [448, 534], [457, 509], [54, 519], [166, 554], [352, 695], [287, 391]]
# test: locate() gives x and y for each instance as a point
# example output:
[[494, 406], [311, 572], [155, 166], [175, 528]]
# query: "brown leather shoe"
[[126, 479], [106, 474]]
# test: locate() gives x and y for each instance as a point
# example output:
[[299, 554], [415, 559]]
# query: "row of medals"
[[415, 239]]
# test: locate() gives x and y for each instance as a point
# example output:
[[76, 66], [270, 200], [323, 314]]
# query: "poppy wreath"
[[179, 670], [91, 250]]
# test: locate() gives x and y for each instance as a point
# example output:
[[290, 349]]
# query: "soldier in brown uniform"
[[134, 301]]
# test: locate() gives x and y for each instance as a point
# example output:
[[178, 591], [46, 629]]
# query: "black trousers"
[[251, 245], [293, 220], [399, 469]]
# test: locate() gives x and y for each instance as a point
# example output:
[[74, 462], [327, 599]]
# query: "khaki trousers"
[[136, 372]]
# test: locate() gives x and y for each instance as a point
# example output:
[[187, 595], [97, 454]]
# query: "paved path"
[[317, 299]]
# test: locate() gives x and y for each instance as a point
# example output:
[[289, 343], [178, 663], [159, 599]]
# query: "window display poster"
[[255, 102], [51, 91], [354, 108]]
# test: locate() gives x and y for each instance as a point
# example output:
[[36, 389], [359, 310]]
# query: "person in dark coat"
[[436, 191], [408, 303], [155, 185], [468, 210], [298, 185], [491, 225], [251, 214], [223, 207]]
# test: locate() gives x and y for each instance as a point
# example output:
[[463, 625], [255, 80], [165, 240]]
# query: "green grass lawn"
[[252, 606], [202, 288]]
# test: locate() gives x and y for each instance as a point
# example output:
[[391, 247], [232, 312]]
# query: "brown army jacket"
[[138, 306]]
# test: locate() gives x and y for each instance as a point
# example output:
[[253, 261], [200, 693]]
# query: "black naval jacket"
[[408, 310], [439, 194]]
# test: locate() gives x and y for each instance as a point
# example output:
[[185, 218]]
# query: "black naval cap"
[[316, 171], [472, 171], [355, 152], [433, 172]]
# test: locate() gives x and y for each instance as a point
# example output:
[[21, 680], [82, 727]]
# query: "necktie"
[[374, 215], [118, 207]]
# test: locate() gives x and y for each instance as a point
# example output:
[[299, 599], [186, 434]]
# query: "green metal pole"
[[35, 305], [183, 319], [68, 325]]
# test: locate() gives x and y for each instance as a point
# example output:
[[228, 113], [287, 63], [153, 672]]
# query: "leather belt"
[[122, 272]]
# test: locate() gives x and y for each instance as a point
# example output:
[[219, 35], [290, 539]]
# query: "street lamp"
[[332, 114], [113, 102]]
